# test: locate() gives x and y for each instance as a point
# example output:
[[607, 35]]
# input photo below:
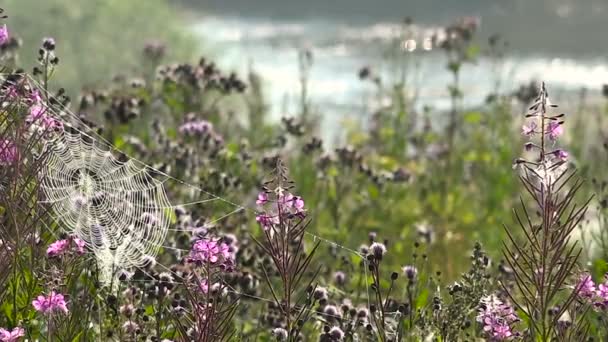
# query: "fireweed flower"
[[561, 154], [11, 335], [50, 304], [585, 287], [497, 318], [262, 198], [602, 294], [211, 251], [61, 247], [554, 130], [8, 152], [529, 129], [39, 117], [3, 34], [266, 221]]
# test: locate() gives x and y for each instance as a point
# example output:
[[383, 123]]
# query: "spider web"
[[83, 162], [117, 208]]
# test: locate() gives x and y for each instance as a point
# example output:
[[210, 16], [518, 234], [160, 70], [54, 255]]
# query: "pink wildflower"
[[585, 286], [602, 294], [294, 204], [57, 248], [79, 245], [61, 247], [554, 130], [196, 127], [497, 318], [8, 152], [529, 129], [52, 303], [3, 34], [266, 221], [208, 250], [561, 154], [11, 335], [262, 198]]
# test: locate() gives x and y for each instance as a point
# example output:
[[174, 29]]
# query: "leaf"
[[472, 117], [473, 51], [373, 191]]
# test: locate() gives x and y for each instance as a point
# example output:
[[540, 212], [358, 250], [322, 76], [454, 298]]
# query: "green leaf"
[[472, 117]]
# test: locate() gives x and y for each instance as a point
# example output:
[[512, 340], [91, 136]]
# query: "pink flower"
[[39, 116], [37, 110], [554, 130], [3, 34], [561, 154], [585, 287], [208, 250], [602, 294], [61, 247], [262, 198], [79, 244], [8, 152], [266, 221], [11, 335], [57, 248], [52, 303], [530, 129], [292, 203], [496, 317], [196, 127]]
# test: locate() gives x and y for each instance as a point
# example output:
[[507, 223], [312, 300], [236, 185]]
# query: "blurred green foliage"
[[96, 39]]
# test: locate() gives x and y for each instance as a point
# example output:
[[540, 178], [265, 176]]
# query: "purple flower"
[[561, 154], [61, 247], [410, 272], [554, 130], [57, 248], [291, 203], [208, 250], [196, 127], [3, 34], [39, 116], [585, 287], [54, 302], [11, 335], [529, 129], [8, 152], [602, 295], [497, 318], [266, 221], [262, 198]]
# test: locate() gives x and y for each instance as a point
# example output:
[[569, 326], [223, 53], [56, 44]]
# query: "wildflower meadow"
[[162, 201]]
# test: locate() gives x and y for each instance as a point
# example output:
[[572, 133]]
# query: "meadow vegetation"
[[483, 223]]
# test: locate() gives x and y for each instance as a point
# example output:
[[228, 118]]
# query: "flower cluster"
[[11, 335], [497, 318], [61, 247], [211, 251], [39, 117], [8, 152], [286, 206], [196, 127], [50, 304], [588, 291], [546, 128]]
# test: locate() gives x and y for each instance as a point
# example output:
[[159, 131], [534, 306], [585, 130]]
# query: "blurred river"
[[340, 49]]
